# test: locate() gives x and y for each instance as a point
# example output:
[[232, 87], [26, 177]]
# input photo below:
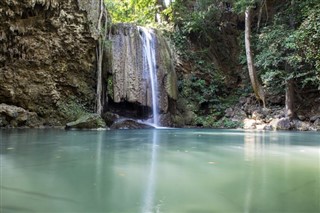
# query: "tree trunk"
[[290, 109], [102, 31], [290, 92], [257, 87], [162, 6]]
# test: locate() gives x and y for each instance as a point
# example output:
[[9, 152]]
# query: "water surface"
[[170, 171]]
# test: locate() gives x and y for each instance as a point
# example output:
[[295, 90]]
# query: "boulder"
[[130, 124], [261, 127], [317, 122], [281, 124], [89, 121], [258, 115], [314, 118], [13, 116], [110, 118], [301, 125], [249, 123], [229, 112]]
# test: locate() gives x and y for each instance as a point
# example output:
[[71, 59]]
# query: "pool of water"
[[166, 170]]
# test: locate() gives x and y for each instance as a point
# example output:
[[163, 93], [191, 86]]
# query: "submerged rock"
[[89, 121], [130, 124]]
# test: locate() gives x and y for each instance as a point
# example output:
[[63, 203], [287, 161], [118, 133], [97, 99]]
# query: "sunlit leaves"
[[141, 12], [286, 52]]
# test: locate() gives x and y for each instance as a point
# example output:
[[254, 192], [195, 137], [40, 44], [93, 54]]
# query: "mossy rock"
[[89, 121]]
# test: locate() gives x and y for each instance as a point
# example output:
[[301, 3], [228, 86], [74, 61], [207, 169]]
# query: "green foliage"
[[289, 47], [200, 21], [240, 5], [110, 86], [141, 12], [212, 122]]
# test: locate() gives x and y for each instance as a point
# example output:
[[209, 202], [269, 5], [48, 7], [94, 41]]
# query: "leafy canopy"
[[141, 12]]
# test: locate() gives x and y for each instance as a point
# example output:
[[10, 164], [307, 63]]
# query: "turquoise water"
[[170, 171]]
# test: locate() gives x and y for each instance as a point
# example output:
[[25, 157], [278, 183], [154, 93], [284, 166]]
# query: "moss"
[[110, 85], [71, 109]]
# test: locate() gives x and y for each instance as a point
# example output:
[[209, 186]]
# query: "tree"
[[288, 52], [141, 12], [102, 23], [257, 87]]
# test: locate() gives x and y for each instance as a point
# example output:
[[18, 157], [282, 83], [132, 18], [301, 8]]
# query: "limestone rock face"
[[47, 55], [130, 83]]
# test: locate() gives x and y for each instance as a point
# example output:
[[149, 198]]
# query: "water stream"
[[150, 67]]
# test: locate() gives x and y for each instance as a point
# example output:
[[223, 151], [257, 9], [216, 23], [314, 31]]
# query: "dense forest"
[[231, 49], [252, 64]]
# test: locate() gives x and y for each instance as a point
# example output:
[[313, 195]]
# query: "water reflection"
[[192, 171], [254, 144], [99, 165], [148, 199]]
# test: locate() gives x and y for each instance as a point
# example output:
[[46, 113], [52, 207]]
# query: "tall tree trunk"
[[290, 109], [290, 92], [102, 32], [162, 6], [257, 87]]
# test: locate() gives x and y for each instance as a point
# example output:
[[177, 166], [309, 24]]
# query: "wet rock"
[[110, 118], [13, 116], [268, 127], [249, 123], [130, 124], [261, 127], [301, 125], [281, 124], [89, 121], [229, 112], [302, 117], [314, 118], [239, 115], [317, 122], [165, 119], [258, 115]]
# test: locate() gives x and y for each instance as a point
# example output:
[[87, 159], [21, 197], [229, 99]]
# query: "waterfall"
[[149, 66]]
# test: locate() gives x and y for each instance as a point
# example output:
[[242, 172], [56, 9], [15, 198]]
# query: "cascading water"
[[149, 66]]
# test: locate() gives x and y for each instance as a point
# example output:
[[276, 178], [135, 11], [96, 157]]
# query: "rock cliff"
[[48, 56]]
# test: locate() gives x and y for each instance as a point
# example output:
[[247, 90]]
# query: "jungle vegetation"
[[277, 48]]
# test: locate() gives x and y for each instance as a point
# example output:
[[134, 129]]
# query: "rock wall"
[[130, 84], [47, 56]]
